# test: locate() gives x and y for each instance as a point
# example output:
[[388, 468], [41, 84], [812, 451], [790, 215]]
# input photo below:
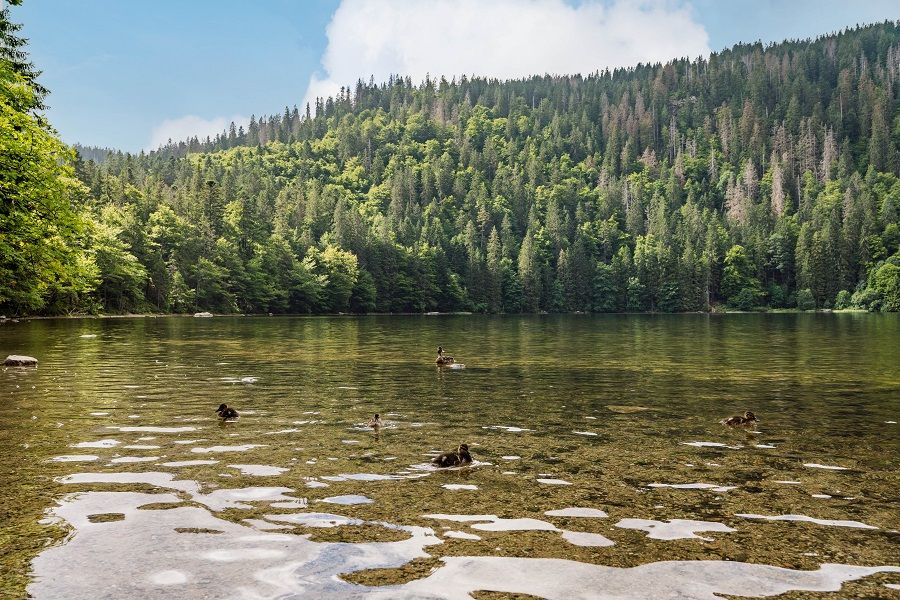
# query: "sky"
[[132, 74]]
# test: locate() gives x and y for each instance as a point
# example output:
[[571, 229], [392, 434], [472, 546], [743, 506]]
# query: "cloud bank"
[[500, 38], [188, 126]]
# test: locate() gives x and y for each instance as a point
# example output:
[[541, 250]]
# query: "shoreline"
[[776, 311]]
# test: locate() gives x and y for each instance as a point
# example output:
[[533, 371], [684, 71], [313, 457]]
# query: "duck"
[[454, 458], [443, 359], [375, 422], [226, 412], [748, 418]]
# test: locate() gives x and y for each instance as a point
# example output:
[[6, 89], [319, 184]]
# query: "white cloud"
[[500, 38], [188, 126]]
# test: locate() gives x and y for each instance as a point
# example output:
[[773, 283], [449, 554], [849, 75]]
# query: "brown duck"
[[443, 359], [748, 418], [454, 458], [227, 413]]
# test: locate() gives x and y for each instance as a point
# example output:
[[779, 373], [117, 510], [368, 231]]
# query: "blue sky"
[[129, 74]]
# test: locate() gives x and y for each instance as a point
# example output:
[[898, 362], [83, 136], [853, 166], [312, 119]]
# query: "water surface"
[[601, 467]]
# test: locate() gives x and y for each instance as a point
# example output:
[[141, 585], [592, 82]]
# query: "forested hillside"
[[765, 176], [98, 155]]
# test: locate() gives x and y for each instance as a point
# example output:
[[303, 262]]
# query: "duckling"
[[227, 413], [375, 422], [741, 421], [443, 359], [460, 456]]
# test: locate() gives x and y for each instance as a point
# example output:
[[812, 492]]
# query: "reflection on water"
[[833, 522], [613, 417], [675, 529], [148, 553]]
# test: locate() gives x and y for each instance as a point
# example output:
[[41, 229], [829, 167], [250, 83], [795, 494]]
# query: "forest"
[[761, 177]]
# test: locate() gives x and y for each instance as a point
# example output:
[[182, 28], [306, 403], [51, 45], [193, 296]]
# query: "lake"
[[601, 468]]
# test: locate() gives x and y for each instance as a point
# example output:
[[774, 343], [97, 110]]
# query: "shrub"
[[867, 298], [842, 300], [887, 283], [777, 296], [805, 300], [746, 299]]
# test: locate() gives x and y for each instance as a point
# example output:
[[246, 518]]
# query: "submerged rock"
[[16, 360], [203, 314]]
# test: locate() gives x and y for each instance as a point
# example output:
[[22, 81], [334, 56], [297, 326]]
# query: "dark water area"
[[118, 481]]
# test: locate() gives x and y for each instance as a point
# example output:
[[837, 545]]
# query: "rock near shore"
[[16, 360]]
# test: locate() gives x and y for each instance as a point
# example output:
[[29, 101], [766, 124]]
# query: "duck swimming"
[[443, 359], [748, 418], [375, 423], [454, 458], [227, 413]]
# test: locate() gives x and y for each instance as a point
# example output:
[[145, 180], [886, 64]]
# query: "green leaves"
[[339, 272], [739, 282], [42, 236], [121, 278]]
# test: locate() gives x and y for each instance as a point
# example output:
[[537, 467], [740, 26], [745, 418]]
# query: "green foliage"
[[539, 194], [891, 238], [887, 284], [339, 271], [14, 56], [842, 300], [362, 299], [122, 279], [805, 300], [746, 299], [777, 296], [739, 283], [43, 266], [866, 298], [180, 298]]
